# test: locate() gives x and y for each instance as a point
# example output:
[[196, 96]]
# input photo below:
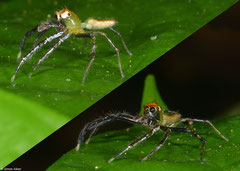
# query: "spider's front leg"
[[27, 56], [59, 42], [42, 28], [95, 124]]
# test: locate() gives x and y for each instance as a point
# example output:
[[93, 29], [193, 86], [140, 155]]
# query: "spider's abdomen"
[[97, 24], [167, 119]]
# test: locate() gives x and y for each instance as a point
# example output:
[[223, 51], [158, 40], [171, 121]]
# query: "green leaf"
[[150, 28], [23, 125], [150, 93], [180, 152]]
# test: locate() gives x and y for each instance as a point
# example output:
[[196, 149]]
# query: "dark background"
[[199, 78]]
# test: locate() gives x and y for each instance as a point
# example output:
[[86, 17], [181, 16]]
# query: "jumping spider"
[[155, 118], [68, 23]]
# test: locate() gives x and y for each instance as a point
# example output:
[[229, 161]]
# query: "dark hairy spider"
[[68, 23], [155, 118]]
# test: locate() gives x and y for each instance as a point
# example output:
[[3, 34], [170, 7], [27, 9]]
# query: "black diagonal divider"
[[206, 63]]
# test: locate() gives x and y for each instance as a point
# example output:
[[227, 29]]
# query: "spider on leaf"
[[68, 23], [156, 119]]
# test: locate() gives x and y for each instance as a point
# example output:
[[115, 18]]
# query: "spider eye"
[[152, 109], [146, 108]]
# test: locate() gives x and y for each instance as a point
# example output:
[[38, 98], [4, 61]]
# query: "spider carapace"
[[156, 119], [66, 24]]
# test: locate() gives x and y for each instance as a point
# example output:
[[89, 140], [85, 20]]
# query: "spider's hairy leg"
[[149, 134], [38, 37], [203, 140], [59, 42], [91, 134], [95, 124], [120, 36], [168, 132], [27, 56], [92, 58], [116, 49], [89, 126], [28, 34], [42, 28], [204, 121]]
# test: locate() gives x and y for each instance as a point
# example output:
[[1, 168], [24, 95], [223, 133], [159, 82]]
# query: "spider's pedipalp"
[[27, 56]]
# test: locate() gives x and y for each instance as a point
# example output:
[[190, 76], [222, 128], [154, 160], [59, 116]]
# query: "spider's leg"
[[92, 58], [203, 140], [27, 56], [28, 34], [91, 134], [110, 117], [39, 36], [87, 127], [149, 134], [124, 44], [59, 42], [168, 132], [116, 49], [42, 28], [204, 121], [95, 124]]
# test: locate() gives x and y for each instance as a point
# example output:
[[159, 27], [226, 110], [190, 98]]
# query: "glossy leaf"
[[23, 125]]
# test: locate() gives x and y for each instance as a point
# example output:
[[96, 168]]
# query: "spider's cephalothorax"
[[155, 118], [152, 113], [67, 23]]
